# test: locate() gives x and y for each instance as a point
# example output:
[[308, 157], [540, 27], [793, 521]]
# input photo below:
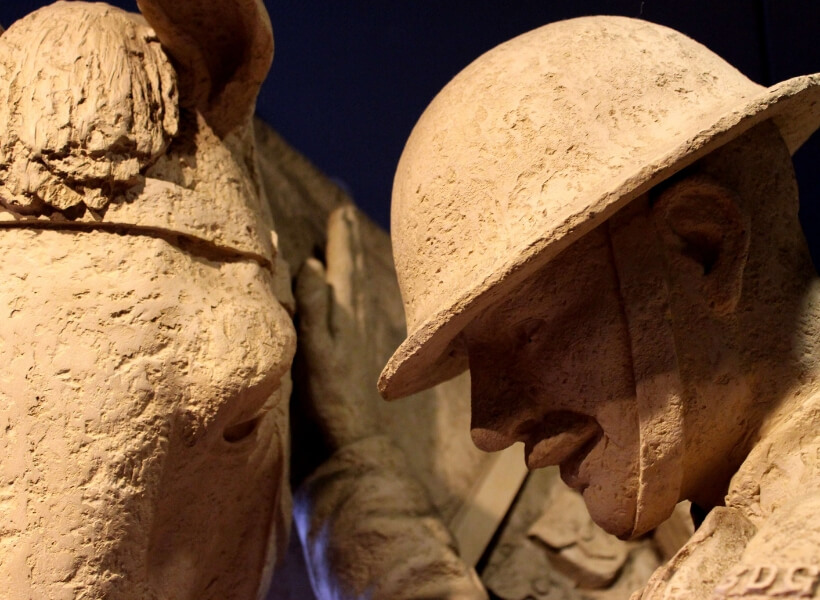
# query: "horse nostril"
[[240, 431]]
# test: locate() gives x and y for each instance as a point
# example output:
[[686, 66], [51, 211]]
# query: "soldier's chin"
[[615, 515]]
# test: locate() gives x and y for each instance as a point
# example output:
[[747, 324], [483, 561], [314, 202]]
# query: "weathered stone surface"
[[433, 429], [145, 387], [522, 566], [609, 241]]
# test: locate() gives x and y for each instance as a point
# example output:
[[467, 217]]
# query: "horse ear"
[[222, 50]]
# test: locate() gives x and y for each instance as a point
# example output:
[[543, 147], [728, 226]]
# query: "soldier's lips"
[[566, 448]]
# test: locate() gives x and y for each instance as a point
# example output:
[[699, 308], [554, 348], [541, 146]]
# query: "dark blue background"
[[351, 77]]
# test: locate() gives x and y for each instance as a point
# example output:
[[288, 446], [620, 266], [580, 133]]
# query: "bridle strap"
[[644, 291]]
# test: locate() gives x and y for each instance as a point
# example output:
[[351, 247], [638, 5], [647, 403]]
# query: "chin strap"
[[643, 286]]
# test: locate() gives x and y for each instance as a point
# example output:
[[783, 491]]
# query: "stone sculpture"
[[147, 337], [145, 352], [368, 526], [550, 549], [373, 518], [599, 218], [427, 438]]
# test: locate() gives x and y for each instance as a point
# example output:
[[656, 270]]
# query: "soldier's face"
[[143, 426], [551, 367]]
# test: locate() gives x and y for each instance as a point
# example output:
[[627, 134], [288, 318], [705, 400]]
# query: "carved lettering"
[[771, 581], [802, 581], [731, 580], [762, 579]]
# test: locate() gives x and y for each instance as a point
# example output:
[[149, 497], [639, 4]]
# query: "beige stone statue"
[[401, 507], [365, 522], [599, 219], [143, 404], [388, 449], [368, 524], [146, 340]]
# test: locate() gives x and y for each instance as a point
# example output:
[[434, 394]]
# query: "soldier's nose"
[[495, 419], [490, 440]]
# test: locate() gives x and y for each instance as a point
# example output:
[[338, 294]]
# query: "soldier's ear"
[[222, 50], [705, 234]]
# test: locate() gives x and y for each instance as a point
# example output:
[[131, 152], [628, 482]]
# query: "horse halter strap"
[[642, 275]]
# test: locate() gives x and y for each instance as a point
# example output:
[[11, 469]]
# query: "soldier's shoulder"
[[731, 557], [782, 559]]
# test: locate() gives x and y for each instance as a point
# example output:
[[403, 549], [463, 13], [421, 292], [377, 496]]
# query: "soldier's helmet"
[[539, 141]]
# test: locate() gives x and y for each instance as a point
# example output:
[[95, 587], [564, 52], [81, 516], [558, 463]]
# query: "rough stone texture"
[[521, 566], [644, 313], [222, 52], [368, 525], [144, 397], [432, 430], [582, 133], [672, 534], [147, 345], [146, 338], [432, 435], [88, 120], [579, 548], [370, 531], [139, 400], [81, 125]]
